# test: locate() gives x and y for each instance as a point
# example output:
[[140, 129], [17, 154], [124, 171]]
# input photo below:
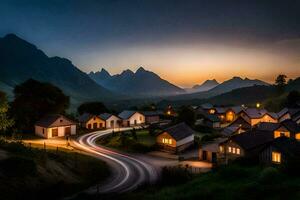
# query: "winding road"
[[128, 172]]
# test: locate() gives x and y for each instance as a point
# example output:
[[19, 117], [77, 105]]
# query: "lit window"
[[298, 136], [276, 157], [238, 151], [211, 111], [170, 141], [233, 150], [229, 149], [221, 149]]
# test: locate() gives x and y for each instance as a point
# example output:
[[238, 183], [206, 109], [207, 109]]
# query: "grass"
[[125, 141], [51, 174], [229, 182]]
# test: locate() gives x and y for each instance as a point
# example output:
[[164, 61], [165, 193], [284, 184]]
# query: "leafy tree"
[[292, 99], [187, 115], [33, 100], [5, 121], [280, 83], [95, 108]]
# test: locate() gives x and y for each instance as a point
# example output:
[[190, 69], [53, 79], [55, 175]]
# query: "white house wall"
[[112, 118]]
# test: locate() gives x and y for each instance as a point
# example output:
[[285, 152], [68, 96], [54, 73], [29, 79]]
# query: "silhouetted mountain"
[[20, 60], [141, 83], [205, 86], [226, 86]]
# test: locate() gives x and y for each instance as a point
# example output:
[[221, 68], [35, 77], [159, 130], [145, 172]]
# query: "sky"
[[185, 42]]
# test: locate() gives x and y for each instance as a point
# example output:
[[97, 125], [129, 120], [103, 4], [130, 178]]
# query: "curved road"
[[128, 172]]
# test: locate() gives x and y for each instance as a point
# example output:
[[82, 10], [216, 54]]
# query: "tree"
[[33, 100], [280, 83], [94, 108], [187, 115], [5, 121], [292, 99]]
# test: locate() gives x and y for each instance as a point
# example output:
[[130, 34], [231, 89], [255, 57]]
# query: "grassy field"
[[37, 174], [232, 182], [141, 142]]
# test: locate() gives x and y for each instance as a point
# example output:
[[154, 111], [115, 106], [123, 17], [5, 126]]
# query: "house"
[[246, 144], [232, 113], [90, 121], [152, 116], [169, 111], [280, 150], [111, 121], [212, 121], [289, 113], [210, 151], [207, 107], [288, 128], [255, 116], [176, 138], [241, 122], [55, 126], [131, 118]]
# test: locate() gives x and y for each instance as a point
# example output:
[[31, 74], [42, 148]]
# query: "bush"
[[18, 166], [233, 172], [269, 175], [175, 175]]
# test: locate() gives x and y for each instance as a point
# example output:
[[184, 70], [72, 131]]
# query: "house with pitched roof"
[[152, 116], [55, 126], [111, 121], [131, 118], [91, 122], [255, 116], [280, 151], [210, 151], [176, 138], [289, 113]]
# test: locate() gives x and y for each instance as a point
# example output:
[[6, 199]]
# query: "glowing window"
[[233, 150], [238, 151], [276, 157], [298, 136], [211, 111], [229, 149], [170, 141], [221, 148]]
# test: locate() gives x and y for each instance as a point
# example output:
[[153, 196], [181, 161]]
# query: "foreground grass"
[[230, 182], [35, 174]]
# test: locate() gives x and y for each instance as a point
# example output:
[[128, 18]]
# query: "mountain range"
[[205, 86], [226, 86], [141, 83], [20, 60]]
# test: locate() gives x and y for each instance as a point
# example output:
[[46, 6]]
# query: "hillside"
[[20, 60], [205, 86], [142, 83], [226, 86]]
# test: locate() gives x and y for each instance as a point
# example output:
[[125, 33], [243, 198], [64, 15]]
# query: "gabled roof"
[[291, 125], [179, 131], [255, 113], [229, 130], [152, 113], [214, 145], [287, 146], [52, 121], [220, 110], [253, 138], [237, 109], [267, 126], [241, 121], [126, 114], [291, 111], [211, 117], [85, 117]]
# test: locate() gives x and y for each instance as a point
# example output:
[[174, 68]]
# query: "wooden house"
[[55, 126], [91, 122], [280, 150], [152, 116], [232, 130], [254, 116], [111, 121], [289, 113], [176, 138], [131, 118], [210, 152], [212, 121]]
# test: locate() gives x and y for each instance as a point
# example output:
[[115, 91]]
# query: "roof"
[[214, 145], [211, 117], [253, 138], [291, 125], [126, 114], [267, 126], [206, 106], [152, 113], [229, 130], [291, 111], [255, 113], [179, 131], [52, 121], [241, 121], [288, 146], [85, 117], [105, 116], [220, 110], [237, 109]]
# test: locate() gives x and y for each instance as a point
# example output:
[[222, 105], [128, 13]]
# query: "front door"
[[204, 155], [135, 122], [94, 125], [67, 131], [128, 123], [54, 132]]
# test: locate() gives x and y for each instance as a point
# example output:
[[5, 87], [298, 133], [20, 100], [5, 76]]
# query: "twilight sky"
[[184, 41]]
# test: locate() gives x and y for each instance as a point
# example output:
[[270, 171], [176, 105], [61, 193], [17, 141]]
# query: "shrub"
[[269, 175], [233, 172], [175, 175]]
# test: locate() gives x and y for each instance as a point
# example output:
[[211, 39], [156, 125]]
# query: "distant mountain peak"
[[104, 71], [140, 69], [206, 85], [236, 78], [127, 72]]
